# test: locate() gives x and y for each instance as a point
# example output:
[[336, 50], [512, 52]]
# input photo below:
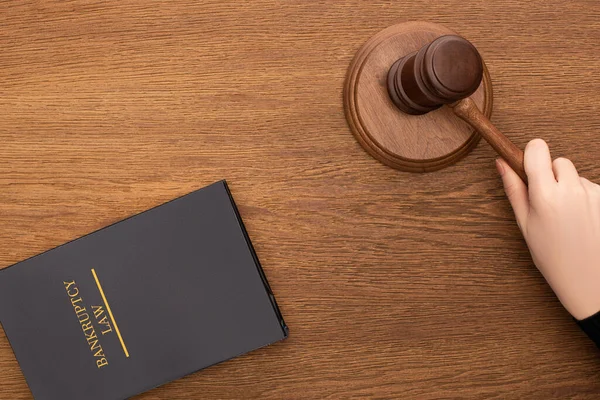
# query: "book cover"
[[142, 302]]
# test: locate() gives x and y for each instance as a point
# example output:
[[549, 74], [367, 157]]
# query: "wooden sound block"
[[416, 143]]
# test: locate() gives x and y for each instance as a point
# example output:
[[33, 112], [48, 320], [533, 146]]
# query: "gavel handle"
[[467, 110]]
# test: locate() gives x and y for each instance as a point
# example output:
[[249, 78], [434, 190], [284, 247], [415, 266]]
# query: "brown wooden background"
[[394, 285]]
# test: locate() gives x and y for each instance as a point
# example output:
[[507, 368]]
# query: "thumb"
[[516, 191]]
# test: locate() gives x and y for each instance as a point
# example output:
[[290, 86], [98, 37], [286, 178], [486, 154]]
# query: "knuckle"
[[594, 190], [545, 197], [576, 191], [594, 187]]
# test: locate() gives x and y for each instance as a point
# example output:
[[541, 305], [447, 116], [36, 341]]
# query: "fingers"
[[538, 164], [565, 171], [516, 191]]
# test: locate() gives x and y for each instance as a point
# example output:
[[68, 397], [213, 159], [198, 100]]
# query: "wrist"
[[581, 306], [578, 292]]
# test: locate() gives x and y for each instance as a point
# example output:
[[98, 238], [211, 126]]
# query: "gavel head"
[[444, 71]]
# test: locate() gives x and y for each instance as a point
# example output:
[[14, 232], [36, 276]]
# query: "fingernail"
[[500, 167]]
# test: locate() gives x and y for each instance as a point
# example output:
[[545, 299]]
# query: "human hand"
[[559, 216]]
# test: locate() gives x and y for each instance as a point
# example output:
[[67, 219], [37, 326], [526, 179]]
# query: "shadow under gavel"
[[446, 72]]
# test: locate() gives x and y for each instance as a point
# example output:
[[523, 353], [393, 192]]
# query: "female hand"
[[559, 216]]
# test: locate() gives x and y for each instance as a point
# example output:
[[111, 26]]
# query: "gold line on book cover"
[[112, 317]]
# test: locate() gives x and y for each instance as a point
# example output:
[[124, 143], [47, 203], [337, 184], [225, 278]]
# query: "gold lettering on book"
[[83, 316], [102, 319]]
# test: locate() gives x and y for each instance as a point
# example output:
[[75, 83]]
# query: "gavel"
[[446, 72]]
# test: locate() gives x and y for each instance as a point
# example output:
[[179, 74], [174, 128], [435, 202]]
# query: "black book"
[[139, 303]]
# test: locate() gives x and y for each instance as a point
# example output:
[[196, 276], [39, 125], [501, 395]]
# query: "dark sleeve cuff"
[[591, 326]]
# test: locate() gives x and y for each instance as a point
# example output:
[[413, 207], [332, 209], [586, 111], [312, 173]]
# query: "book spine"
[[261, 273]]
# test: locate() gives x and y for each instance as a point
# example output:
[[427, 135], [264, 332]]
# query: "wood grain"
[[395, 285]]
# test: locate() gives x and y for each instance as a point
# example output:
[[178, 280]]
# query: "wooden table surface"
[[394, 285]]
